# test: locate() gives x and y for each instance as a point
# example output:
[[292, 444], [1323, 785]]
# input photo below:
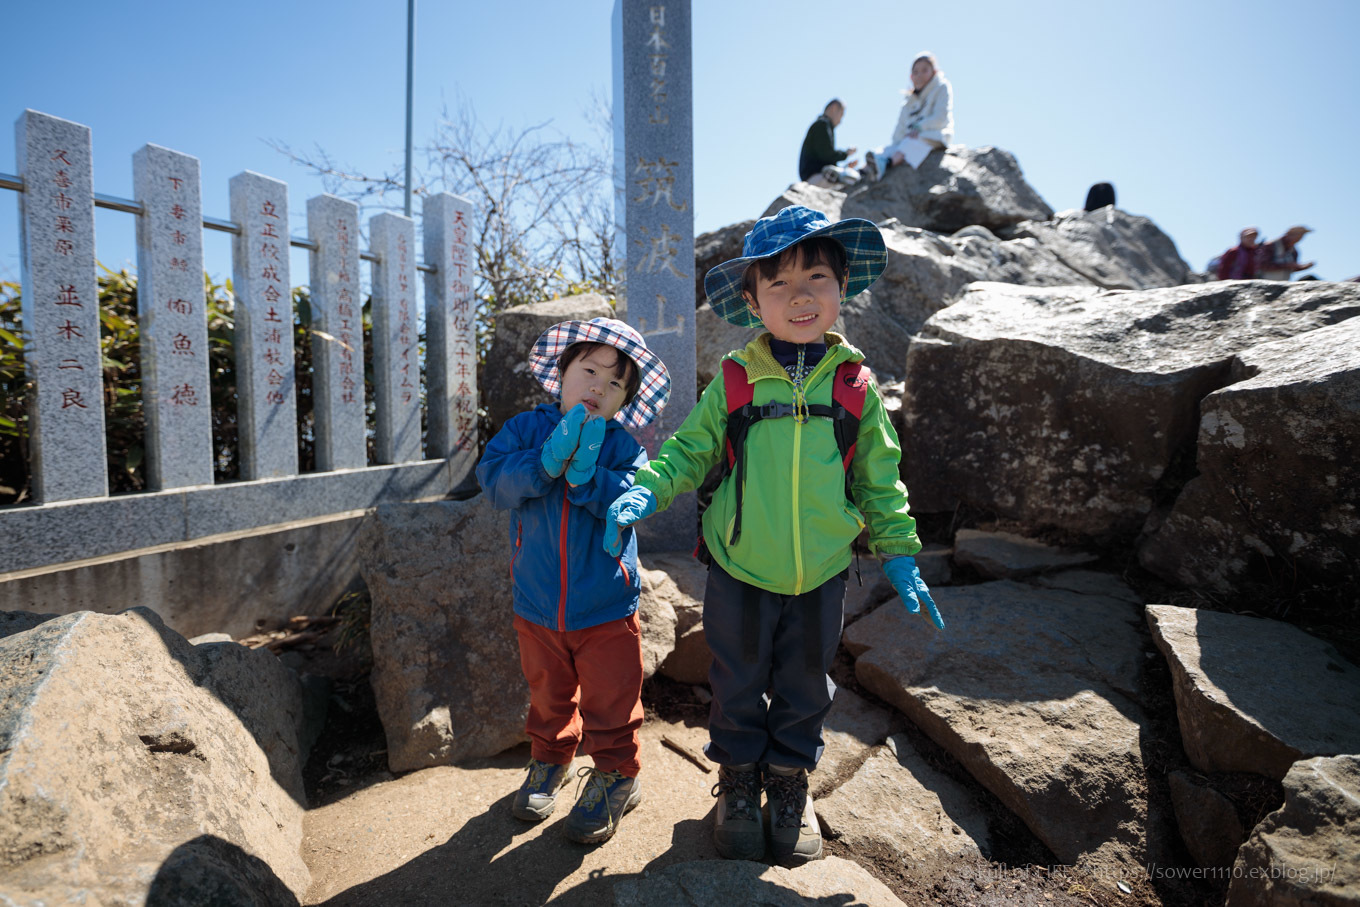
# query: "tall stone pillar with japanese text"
[[451, 334], [396, 354], [266, 392], [337, 334], [172, 313], [654, 206], [61, 309]]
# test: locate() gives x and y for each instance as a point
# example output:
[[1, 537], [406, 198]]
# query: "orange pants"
[[585, 688]]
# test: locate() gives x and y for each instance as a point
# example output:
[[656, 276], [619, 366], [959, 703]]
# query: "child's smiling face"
[[590, 379], [800, 302]]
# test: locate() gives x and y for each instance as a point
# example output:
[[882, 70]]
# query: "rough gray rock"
[[1306, 853], [950, 190], [446, 669], [1255, 695], [1066, 408], [515, 389], [853, 727], [1090, 582], [819, 198], [656, 616], [1279, 463], [1005, 555], [715, 248], [898, 803], [1110, 248], [1036, 692], [121, 744], [1207, 820], [703, 883], [689, 662]]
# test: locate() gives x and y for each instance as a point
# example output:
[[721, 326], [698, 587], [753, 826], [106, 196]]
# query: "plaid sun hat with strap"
[[654, 385], [865, 256]]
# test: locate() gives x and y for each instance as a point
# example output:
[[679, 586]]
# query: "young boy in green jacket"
[[780, 528]]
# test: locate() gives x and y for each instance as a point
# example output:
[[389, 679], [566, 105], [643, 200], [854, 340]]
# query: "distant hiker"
[[1281, 258], [1100, 195], [819, 162], [557, 468], [811, 460], [925, 123], [1242, 261]]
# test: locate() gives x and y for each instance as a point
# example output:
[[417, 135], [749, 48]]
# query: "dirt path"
[[445, 835]]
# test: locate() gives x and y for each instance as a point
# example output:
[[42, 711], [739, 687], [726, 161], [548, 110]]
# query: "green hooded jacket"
[[797, 526]]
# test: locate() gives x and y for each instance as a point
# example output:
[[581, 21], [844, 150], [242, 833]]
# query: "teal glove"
[[906, 579], [582, 466], [561, 444], [629, 507]]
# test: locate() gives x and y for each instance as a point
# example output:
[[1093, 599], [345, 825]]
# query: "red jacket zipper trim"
[[562, 604], [519, 534], [626, 580]]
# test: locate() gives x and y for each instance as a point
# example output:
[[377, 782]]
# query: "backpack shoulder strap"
[[849, 389], [739, 392]]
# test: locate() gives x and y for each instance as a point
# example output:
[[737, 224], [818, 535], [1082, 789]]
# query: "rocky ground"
[[445, 835]]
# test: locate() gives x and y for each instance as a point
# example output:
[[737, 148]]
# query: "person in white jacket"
[[925, 123]]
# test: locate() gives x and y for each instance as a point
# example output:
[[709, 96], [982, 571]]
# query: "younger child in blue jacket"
[[557, 468]]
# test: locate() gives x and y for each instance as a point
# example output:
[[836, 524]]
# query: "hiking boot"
[[538, 794], [604, 801], [795, 837], [738, 831]]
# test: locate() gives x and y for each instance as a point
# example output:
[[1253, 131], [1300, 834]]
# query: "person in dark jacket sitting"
[[819, 162], [557, 468]]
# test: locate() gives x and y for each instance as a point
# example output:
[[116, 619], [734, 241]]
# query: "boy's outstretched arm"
[[608, 481]]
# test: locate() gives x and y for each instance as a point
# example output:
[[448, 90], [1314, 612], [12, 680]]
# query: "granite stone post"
[[450, 333], [337, 334], [173, 318], [654, 182], [396, 357], [60, 309], [265, 386]]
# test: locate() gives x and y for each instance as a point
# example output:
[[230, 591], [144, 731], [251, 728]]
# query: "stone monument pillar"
[[266, 391], [654, 206], [396, 355], [61, 309], [337, 335], [173, 316]]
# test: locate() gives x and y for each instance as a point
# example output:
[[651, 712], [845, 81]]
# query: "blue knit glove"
[[582, 466], [906, 579], [561, 444], [629, 507]]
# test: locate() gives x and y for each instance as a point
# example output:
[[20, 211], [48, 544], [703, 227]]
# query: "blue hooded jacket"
[[563, 578]]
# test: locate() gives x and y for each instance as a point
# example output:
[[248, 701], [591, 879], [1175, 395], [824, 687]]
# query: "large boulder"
[[1236, 716], [950, 190], [657, 617], [1005, 555], [897, 803], [1036, 692], [686, 579], [1308, 851], [1279, 463], [1066, 408], [704, 883], [446, 670], [124, 749], [514, 388], [1111, 249]]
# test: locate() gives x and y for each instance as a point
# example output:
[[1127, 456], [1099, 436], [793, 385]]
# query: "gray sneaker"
[[795, 836], [605, 799], [738, 831], [538, 794], [871, 166]]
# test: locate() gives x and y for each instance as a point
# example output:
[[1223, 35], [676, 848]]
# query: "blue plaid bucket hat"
[[654, 385], [865, 256]]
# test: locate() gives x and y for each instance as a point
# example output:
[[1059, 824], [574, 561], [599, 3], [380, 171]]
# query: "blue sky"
[[1206, 116]]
